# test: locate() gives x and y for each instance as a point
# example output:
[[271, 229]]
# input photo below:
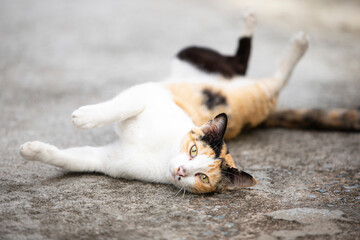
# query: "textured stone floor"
[[58, 55]]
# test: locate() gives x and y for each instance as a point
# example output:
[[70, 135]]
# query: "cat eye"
[[204, 178], [193, 151]]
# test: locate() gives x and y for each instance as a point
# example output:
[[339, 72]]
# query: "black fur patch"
[[214, 133], [211, 61], [214, 142], [212, 99], [207, 60], [239, 62]]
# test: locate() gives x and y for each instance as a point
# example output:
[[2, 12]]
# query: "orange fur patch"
[[245, 105], [214, 169]]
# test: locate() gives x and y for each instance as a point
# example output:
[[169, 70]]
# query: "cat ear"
[[236, 179], [216, 127]]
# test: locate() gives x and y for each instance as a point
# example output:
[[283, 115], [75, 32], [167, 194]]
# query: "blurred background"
[[54, 44], [57, 55]]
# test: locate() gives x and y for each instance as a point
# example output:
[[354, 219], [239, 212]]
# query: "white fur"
[[150, 127], [249, 23], [182, 71], [199, 164], [296, 49]]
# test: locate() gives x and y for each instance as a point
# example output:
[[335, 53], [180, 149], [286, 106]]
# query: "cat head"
[[204, 163]]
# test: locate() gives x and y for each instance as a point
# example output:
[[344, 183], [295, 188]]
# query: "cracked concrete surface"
[[58, 55]]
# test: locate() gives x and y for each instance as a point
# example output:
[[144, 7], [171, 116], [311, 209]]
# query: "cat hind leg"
[[250, 21], [297, 47], [239, 62], [79, 159]]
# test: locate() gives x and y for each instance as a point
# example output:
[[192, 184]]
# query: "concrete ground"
[[58, 55]]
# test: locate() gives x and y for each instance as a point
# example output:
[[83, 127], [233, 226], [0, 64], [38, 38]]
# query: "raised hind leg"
[[254, 102], [240, 61], [209, 61], [79, 159], [296, 49]]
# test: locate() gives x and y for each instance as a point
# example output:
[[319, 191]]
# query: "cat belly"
[[149, 140]]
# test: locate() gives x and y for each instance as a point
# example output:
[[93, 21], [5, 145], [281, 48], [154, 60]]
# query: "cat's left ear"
[[236, 179], [216, 127]]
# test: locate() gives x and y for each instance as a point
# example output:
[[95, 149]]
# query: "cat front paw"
[[37, 151], [86, 117]]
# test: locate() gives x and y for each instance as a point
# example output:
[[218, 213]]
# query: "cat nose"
[[181, 171]]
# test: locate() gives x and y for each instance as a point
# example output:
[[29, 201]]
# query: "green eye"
[[204, 178], [193, 151]]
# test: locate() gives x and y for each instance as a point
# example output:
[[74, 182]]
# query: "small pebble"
[[358, 198], [336, 191], [209, 233], [347, 190], [326, 193], [328, 166], [229, 225], [219, 217], [310, 196], [352, 187], [322, 190]]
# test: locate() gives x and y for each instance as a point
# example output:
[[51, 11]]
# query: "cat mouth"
[[173, 177]]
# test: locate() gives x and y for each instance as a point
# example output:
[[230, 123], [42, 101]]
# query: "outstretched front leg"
[[79, 159], [125, 105]]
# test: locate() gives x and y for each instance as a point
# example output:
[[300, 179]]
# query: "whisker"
[[179, 191], [184, 193], [228, 173]]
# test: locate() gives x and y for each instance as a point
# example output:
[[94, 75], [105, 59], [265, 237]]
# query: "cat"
[[173, 132]]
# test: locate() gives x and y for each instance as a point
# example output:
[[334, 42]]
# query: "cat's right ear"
[[236, 179]]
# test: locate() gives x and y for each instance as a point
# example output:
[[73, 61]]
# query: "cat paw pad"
[[36, 151], [85, 118]]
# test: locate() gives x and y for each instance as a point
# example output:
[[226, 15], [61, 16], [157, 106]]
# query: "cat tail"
[[334, 119], [296, 49]]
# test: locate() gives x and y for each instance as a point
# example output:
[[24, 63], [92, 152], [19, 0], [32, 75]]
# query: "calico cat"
[[174, 131]]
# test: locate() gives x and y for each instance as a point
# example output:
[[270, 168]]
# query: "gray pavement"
[[58, 55]]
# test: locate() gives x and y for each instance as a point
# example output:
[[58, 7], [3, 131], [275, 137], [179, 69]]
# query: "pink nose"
[[181, 172]]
